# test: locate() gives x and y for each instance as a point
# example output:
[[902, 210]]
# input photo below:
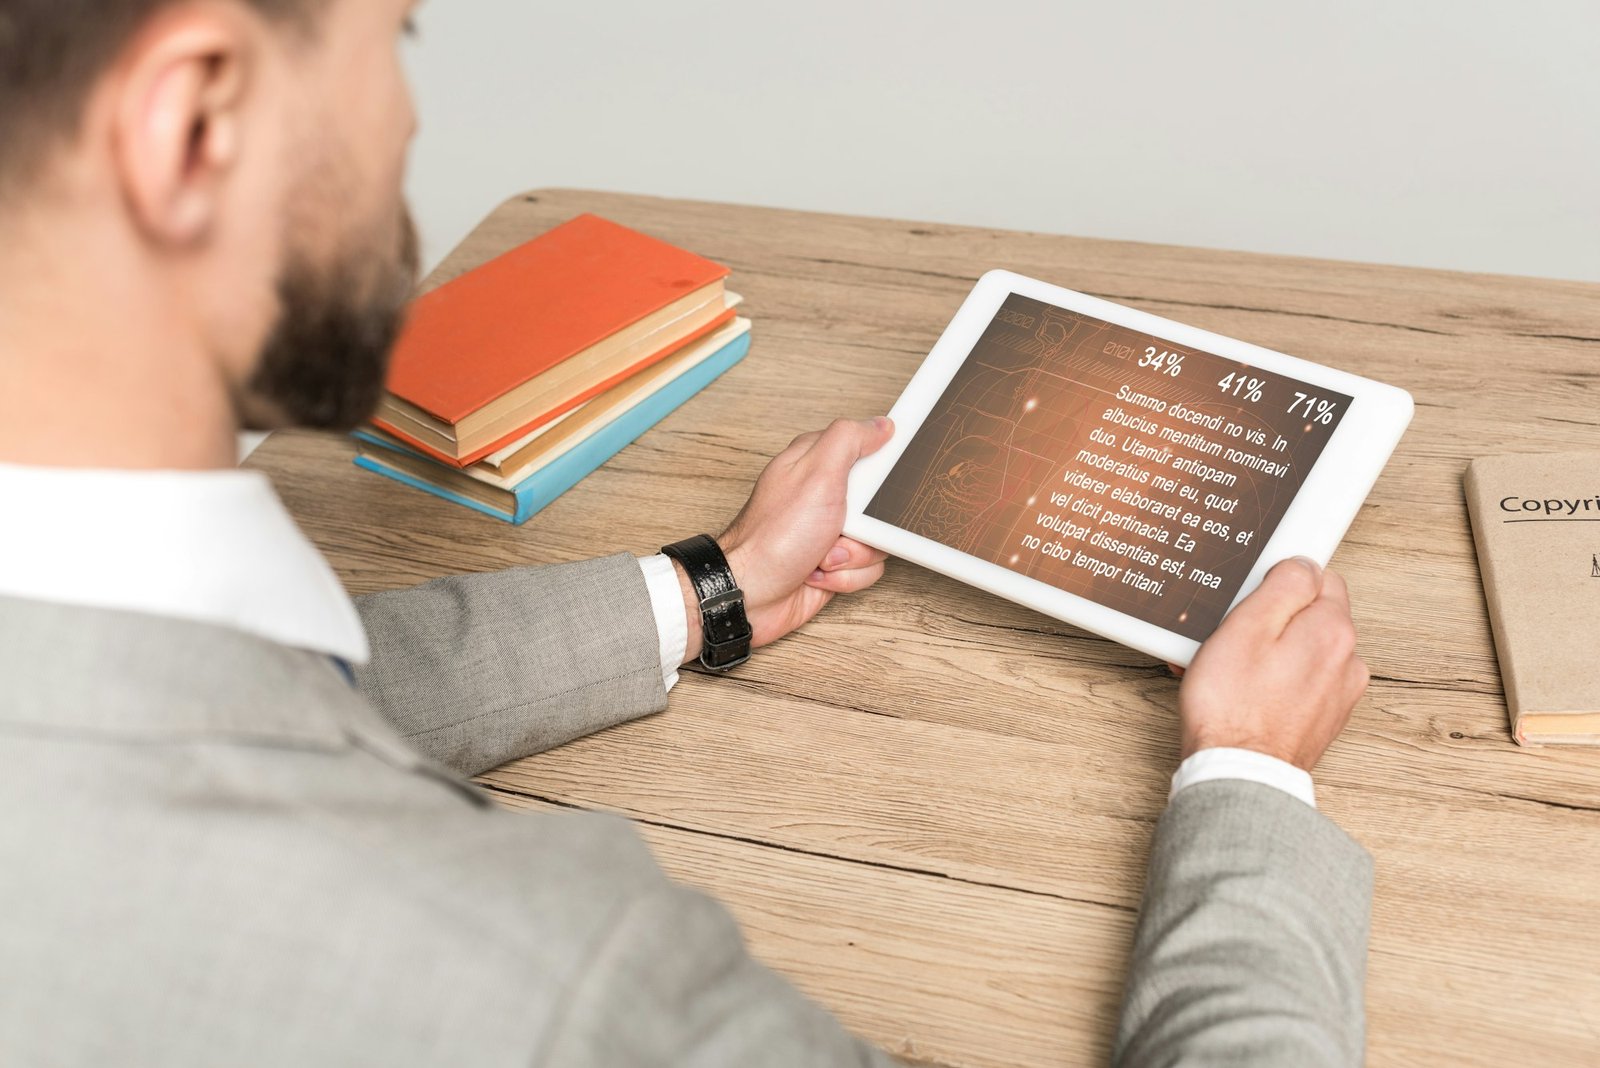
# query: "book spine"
[[537, 491], [1503, 645], [705, 330], [428, 487]]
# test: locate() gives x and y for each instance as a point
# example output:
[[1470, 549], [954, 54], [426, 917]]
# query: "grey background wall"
[[1459, 134]]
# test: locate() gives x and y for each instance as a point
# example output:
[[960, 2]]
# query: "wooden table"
[[932, 808]]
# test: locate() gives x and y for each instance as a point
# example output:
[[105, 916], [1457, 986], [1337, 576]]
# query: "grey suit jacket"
[[214, 850]]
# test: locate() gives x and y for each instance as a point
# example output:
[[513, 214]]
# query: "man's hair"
[[51, 53]]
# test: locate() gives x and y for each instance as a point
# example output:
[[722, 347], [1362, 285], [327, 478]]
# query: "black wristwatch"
[[724, 629]]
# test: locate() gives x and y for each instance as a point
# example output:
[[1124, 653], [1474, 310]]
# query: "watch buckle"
[[722, 600]]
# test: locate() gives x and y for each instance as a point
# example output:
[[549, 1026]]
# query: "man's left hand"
[[786, 546]]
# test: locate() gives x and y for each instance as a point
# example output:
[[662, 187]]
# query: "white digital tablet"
[[1119, 471]]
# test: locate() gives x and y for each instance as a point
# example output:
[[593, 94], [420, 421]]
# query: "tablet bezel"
[[1313, 525]]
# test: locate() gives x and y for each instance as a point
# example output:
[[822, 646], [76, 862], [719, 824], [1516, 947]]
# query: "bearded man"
[[235, 827]]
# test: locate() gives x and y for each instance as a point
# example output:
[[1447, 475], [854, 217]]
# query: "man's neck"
[[90, 412], [95, 373]]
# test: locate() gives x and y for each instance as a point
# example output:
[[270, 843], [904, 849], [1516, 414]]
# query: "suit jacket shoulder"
[[222, 854]]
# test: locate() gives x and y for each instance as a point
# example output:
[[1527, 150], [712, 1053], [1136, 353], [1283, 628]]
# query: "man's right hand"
[[1280, 675]]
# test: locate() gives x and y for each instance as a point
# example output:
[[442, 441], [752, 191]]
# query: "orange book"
[[545, 399], [492, 354]]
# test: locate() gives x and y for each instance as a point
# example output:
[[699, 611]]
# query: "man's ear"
[[178, 118]]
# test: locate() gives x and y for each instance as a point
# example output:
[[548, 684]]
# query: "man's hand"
[[785, 546], [1280, 675]]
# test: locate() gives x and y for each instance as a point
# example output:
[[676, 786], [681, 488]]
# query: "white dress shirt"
[[666, 600], [219, 547], [209, 546]]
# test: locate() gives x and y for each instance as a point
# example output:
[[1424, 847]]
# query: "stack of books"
[[517, 379]]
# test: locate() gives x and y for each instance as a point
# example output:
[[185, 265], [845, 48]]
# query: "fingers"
[[800, 445], [1357, 676], [849, 566], [848, 440], [1325, 625], [852, 581], [1289, 588], [848, 554], [1335, 590]]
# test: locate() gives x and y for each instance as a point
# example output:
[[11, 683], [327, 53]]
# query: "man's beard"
[[324, 363]]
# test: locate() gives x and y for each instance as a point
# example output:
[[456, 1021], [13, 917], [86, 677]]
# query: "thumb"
[[848, 440], [1291, 586]]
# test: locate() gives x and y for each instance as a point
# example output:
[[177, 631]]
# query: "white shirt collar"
[[210, 546]]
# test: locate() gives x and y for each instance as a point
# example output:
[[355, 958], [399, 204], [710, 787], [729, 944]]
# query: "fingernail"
[[881, 422], [1316, 568], [836, 556], [818, 575]]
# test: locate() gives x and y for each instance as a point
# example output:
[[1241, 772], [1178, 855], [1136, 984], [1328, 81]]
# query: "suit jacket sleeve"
[[676, 970], [476, 670], [1252, 941]]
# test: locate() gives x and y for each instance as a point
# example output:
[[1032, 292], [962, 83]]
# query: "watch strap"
[[724, 629]]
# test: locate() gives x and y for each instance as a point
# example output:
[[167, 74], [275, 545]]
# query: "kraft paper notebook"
[[1536, 524]]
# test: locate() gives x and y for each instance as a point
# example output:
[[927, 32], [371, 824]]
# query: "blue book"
[[516, 503]]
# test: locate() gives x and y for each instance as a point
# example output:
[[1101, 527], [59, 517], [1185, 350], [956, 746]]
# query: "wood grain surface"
[[932, 808]]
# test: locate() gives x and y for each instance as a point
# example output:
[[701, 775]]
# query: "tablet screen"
[[1111, 464]]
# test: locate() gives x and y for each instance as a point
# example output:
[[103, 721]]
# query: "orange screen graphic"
[[1139, 474]]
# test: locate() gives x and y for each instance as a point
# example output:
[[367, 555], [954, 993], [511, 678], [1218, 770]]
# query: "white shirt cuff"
[[1246, 764], [666, 601]]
